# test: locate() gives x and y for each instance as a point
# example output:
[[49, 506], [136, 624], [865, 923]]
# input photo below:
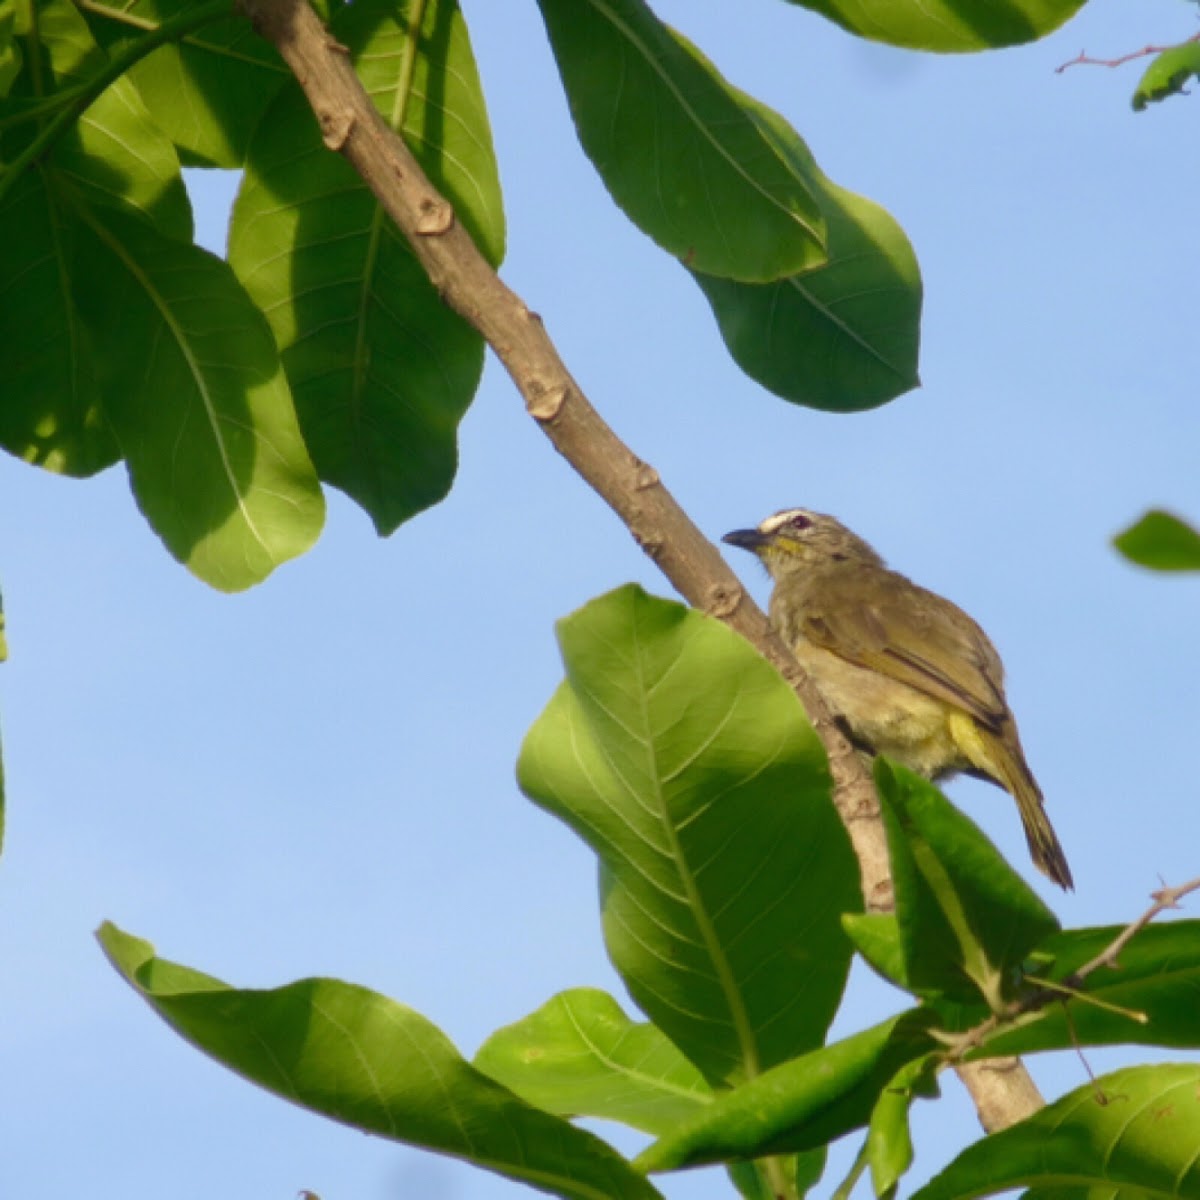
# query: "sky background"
[[316, 777]]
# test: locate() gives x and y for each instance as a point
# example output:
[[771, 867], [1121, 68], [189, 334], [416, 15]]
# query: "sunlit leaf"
[[686, 762], [194, 391], [580, 1055], [676, 146], [382, 370], [844, 335], [948, 25], [1137, 1128], [1167, 75], [1162, 542], [208, 91], [362, 1059], [965, 918], [800, 1105]]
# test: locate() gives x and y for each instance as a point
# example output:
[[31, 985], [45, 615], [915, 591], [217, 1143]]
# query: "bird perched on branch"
[[905, 672]]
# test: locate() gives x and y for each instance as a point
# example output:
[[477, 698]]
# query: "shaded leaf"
[[1144, 1134], [799, 1105], [843, 335], [195, 395], [1158, 976], [676, 146], [966, 919], [889, 1141], [687, 764], [114, 153], [208, 91], [948, 25], [360, 1058], [382, 371], [1161, 541], [876, 936], [800, 1173], [580, 1055], [51, 415], [10, 52], [1167, 75]]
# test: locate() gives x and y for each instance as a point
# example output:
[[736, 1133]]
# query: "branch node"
[[721, 600], [336, 128], [644, 476], [434, 217], [545, 403]]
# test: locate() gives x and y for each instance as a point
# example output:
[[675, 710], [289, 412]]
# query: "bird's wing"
[[917, 638]]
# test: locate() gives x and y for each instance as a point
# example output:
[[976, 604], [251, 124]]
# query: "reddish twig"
[[1085, 60]]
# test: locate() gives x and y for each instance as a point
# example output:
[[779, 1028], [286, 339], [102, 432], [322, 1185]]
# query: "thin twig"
[[1085, 60], [1164, 899], [1047, 992]]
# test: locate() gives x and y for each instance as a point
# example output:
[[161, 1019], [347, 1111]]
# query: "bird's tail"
[[999, 756]]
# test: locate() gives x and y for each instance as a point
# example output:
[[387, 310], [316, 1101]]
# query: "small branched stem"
[[1047, 992], [1085, 60]]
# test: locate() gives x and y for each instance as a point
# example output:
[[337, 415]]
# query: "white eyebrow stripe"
[[771, 524]]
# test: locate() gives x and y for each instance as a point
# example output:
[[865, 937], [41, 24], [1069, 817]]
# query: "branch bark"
[[351, 126]]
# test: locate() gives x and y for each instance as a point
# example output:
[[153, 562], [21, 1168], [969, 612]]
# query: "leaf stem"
[[843, 1190]]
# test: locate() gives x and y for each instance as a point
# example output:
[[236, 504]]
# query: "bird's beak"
[[747, 539]]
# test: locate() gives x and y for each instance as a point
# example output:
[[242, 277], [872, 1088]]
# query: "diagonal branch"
[[465, 280]]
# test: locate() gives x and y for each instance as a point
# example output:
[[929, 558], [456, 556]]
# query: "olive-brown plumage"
[[907, 673]]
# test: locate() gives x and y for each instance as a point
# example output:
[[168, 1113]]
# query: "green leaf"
[[115, 153], [1158, 976], [1161, 541], [194, 392], [799, 1105], [687, 764], [948, 25], [1167, 75], [10, 52], [966, 919], [1136, 1128], [207, 92], [876, 936], [843, 336], [580, 1055], [889, 1141], [381, 369], [360, 1058], [676, 146], [800, 1173], [51, 415]]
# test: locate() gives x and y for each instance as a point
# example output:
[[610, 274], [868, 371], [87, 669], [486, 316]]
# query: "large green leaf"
[[1157, 976], [676, 146], [1138, 1128], [965, 918], [799, 1105], [381, 369], [889, 1140], [114, 153], [114, 156], [51, 413], [194, 391], [208, 91], [360, 1058], [580, 1055], [1168, 75], [1161, 541], [687, 764], [844, 335], [947, 25]]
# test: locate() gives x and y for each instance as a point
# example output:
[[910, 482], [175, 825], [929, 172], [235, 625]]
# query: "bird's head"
[[797, 540]]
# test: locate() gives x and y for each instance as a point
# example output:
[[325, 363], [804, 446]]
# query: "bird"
[[905, 672]]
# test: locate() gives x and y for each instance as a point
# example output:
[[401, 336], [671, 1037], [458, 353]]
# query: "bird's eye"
[[800, 521]]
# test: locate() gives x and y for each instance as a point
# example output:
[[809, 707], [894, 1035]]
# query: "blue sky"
[[316, 777]]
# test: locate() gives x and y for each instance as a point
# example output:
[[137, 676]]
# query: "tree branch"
[[465, 280]]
